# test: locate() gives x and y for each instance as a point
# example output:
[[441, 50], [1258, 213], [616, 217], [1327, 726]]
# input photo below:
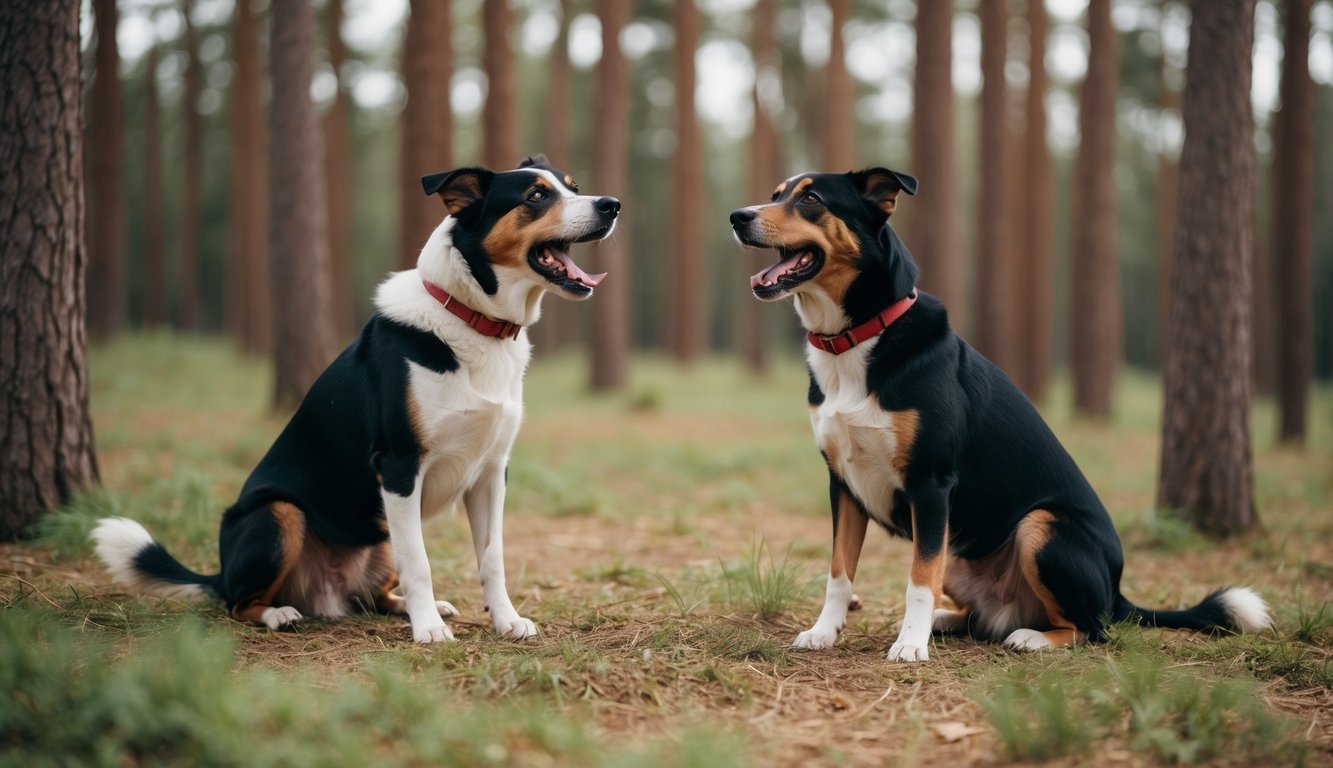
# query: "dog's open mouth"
[[795, 266], [552, 261]]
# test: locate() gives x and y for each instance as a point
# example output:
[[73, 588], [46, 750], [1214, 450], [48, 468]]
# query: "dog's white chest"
[[862, 442], [467, 421]]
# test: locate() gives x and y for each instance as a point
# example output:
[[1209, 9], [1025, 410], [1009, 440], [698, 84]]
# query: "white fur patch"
[[118, 541], [1247, 611], [914, 638], [282, 616], [837, 597], [1027, 640]]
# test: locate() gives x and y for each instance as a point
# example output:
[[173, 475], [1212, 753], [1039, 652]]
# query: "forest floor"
[[669, 542]]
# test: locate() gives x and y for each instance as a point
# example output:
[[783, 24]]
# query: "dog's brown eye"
[[810, 198], [536, 195]]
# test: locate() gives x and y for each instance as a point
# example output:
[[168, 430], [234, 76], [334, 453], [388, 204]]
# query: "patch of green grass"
[[771, 588], [1179, 715]]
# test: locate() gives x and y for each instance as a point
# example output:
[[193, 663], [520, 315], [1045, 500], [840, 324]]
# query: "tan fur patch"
[[1034, 532], [517, 232], [849, 537], [291, 538], [904, 426]]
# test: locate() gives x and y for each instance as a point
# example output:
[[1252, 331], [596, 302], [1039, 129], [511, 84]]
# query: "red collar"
[[486, 326], [841, 342]]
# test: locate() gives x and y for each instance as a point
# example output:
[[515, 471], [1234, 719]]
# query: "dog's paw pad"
[[908, 652], [280, 618], [516, 628], [816, 639], [446, 609], [855, 603], [1027, 640], [439, 634]]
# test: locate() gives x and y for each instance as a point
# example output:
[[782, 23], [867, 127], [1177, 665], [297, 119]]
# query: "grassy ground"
[[670, 543]]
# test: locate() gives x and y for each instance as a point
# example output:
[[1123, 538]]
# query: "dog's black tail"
[[1235, 609], [145, 566]]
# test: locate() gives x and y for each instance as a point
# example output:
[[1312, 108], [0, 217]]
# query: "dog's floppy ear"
[[459, 188], [880, 187], [531, 160]]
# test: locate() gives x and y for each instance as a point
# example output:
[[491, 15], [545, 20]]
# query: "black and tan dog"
[[929, 439], [418, 414]]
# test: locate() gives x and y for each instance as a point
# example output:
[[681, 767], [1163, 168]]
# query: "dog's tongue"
[[771, 275], [574, 271]]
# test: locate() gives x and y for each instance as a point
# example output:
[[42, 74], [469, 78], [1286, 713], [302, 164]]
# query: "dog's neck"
[[518, 298]]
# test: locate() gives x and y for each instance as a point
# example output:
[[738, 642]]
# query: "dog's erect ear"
[[880, 187], [531, 160], [458, 189]]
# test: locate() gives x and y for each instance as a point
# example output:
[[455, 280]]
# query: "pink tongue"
[[574, 272], [770, 276]]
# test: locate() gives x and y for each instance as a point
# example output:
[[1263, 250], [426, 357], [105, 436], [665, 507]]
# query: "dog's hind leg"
[[1069, 574], [849, 533], [259, 550], [385, 597]]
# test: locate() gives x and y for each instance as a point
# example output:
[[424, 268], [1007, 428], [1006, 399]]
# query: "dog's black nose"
[[742, 216], [608, 205]]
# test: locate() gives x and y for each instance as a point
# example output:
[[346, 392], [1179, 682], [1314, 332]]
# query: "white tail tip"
[[118, 541], [1248, 612]]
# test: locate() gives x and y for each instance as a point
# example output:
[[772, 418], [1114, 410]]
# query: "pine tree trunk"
[[753, 329], [1037, 254], [154, 223], [1168, 175], [298, 234], [187, 266], [935, 226], [559, 324], [1095, 337], [610, 176], [500, 116], [1293, 220], [107, 270], [338, 153], [839, 139], [427, 123], [1206, 455], [996, 316], [46, 438], [686, 282], [247, 308]]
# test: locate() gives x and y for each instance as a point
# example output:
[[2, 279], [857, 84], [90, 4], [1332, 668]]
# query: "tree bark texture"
[[839, 139], [427, 122], [107, 283], [338, 153], [1293, 219], [687, 284], [996, 271], [46, 440], [1168, 177], [1206, 460], [154, 217], [1037, 311], [187, 263], [1095, 336], [500, 115], [298, 234], [934, 229], [764, 165], [248, 286], [610, 330]]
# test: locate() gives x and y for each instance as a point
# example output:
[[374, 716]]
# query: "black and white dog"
[[927, 438], [417, 414]]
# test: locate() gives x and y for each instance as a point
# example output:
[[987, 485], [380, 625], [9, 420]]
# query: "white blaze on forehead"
[[556, 182]]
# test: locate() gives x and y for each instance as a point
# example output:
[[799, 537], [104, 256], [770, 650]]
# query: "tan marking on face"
[[780, 225], [569, 181], [517, 232], [848, 538], [1032, 535], [904, 426], [779, 189]]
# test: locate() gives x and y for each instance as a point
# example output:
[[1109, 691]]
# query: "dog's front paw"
[[904, 651], [432, 633], [1027, 640], [280, 618], [515, 628], [816, 638], [446, 609]]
